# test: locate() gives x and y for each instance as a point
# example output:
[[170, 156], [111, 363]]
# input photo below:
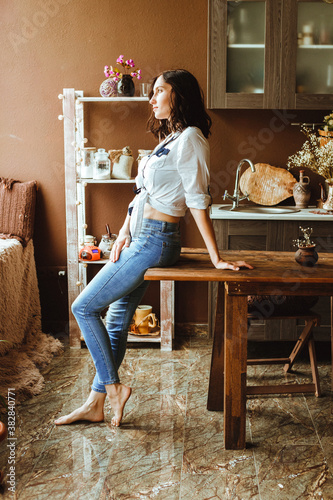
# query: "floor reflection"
[[169, 446]]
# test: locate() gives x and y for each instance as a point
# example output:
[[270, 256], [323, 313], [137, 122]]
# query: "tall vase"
[[302, 191], [328, 205], [126, 86]]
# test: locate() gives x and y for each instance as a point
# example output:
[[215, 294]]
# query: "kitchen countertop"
[[303, 214]]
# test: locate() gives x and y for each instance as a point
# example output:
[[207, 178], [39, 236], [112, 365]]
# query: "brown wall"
[[48, 45]]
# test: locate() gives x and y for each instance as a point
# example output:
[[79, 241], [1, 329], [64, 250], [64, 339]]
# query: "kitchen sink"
[[259, 209]]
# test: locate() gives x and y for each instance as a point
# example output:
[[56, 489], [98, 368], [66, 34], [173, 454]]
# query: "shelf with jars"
[[270, 55], [81, 163]]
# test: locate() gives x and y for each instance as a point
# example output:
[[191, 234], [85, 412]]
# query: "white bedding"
[[8, 244]]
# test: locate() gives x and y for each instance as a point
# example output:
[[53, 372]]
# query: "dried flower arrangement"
[[317, 158], [305, 241]]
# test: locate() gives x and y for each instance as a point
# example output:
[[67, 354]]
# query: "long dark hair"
[[186, 102]]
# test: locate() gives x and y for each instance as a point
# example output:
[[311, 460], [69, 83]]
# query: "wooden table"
[[273, 274]]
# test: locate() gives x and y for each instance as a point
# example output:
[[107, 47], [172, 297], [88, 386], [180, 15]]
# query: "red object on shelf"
[[90, 253]]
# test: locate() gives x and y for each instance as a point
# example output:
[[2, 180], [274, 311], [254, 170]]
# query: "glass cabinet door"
[[245, 47], [307, 54], [314, 61], [243, 71]]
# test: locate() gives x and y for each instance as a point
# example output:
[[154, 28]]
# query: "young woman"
[[170, 180]]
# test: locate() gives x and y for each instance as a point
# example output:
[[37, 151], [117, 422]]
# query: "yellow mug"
[[144, 319]]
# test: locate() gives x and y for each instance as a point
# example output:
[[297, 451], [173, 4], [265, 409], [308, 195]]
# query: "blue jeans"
[[121, 286]]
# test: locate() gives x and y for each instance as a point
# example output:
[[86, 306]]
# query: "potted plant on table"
[[306, 254]]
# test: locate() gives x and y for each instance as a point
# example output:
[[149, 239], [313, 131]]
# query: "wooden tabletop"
[[277, 267]]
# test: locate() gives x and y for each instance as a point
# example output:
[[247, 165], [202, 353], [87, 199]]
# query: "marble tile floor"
[[169, 446]]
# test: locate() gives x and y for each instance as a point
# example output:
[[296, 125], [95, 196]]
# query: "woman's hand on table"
[[121, 242], [234, 266]]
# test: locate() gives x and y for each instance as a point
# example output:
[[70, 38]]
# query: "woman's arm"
[[206, 229], [123, 240]]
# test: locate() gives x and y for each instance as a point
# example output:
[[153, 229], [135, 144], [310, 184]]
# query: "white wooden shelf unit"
[[73, 117]]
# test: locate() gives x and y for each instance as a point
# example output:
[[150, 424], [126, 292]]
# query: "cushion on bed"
[[17, 209]]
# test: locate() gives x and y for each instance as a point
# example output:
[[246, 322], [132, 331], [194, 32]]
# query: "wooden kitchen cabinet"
[[270, 234], [270, 54], [233, 234]]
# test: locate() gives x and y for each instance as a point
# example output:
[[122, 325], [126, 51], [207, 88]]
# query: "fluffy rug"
[[26, 348]]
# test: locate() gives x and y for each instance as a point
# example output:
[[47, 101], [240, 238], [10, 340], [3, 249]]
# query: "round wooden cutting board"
[[267, 185]]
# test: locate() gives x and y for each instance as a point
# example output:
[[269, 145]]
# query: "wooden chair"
[[306, 339], [215, 395]]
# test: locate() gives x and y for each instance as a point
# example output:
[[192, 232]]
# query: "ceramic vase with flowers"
[[306, 254], [122, 81]]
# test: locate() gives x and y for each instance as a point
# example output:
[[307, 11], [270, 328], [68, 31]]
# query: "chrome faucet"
[[235, 197]]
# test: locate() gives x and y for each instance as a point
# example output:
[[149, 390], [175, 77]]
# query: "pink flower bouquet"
[[127, 64]]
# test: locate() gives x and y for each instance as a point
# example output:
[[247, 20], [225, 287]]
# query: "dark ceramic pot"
[[126, 86], [307, 256]]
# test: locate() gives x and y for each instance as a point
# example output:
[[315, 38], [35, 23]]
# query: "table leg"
[[235, 348], [167, 311], [216, 378]]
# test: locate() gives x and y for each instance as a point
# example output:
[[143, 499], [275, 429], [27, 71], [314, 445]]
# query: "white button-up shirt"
[[174, 177]]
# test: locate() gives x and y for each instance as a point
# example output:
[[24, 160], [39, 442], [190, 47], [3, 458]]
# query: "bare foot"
[[118, 395], [88, 411]]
